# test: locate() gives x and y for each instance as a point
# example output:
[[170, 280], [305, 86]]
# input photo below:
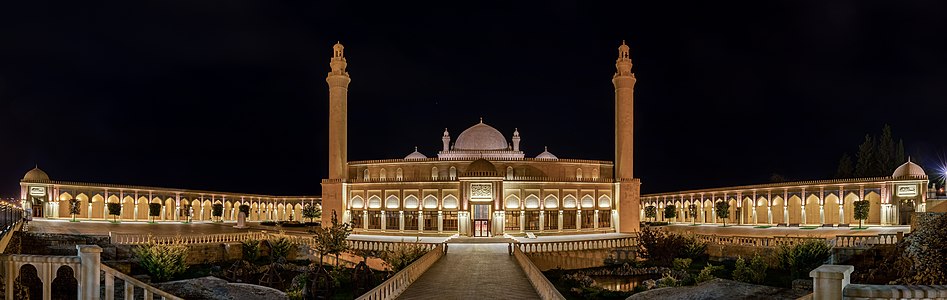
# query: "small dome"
[[481, 167], [546, 154], [909, 169], [415, 155], [36, 175], [481, 137]]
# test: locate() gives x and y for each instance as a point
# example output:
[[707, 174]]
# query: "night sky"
[[231, 96]]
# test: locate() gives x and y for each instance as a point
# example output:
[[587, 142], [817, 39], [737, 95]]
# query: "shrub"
[[251, 250], [154, 210], [402, 255], [279, 247], [217, 210], [115, 209], [723, 211], [707, 273], [662, 247], [682, 264], [802, 257], [670, 212], [268, 223], [311, 212], [753, 271], [162, 261], [74, 208], [860, 212], [650, 212]]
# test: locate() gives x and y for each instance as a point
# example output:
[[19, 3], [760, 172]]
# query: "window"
[[410, 220], [450, 220], [512, 220], [509, 172], [392, 220], [604, 218], [551, 220], [453, 173], [365, 176], [381, 175], [357, 221], [430, 221], [434, 173], [568, 219], [374, 219], [399, 174], [578, 173], [587, 216], [532, 220]]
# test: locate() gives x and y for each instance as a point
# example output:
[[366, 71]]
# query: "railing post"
[[829, 281], [89, 260]]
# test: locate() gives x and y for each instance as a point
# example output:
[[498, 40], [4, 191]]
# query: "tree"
[[245, 209], [74, 208], [899, 154], [332, 240], [845, 167], [115, 209], [723, 211], [885, 153], [217, 210], [692, 211], [865, 165], [670, 212], [311, 212], [154, 210], [651, 212], [861, 211]]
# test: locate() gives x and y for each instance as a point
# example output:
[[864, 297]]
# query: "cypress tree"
[[885, 158], [866, 157], [845, 167], [899, 155]]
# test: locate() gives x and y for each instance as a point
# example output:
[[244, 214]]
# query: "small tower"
[[446, 140], [516, 139]]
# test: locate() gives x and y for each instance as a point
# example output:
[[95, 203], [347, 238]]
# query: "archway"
[[874, 209], [778, 210], [795, 210], [832, 209], [30, 284], [65, 286], [812, 210]]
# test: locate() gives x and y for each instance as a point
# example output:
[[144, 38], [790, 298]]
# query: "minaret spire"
[[333, 198], [629, 202]]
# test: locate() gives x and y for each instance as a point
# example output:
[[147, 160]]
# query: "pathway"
[[473, 271]]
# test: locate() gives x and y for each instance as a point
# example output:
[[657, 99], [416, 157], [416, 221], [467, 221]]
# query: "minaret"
[[333, 199], [446, 140], [516, 139], [629, 204], [338, 81]]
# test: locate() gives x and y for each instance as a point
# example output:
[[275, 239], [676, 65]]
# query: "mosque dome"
[[546, 154], [36, 175], [909, 169], [481, 137], [481, 167], [415, 155]]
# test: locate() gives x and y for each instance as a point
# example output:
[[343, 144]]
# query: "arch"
[[450, 201], [65, 196], [594, 173], [254, 211], [849, 203], [206, 209], [531, 201], [550, 202], [374, 201], [512, 201], [778, 210], [588, 201], [874, 210], [358, 202], [392, 202], [733, 212], [128, 208], [98, 206], [762, 210], [831, 209], [228, 211], [430, 201], [381, 175], [569, 201], [168, 208], [812, 210], [366, 174], [411, 201], [281, 213], [578, 173], [65, 285], [708, 211], [795, 209], [298, 211], [399, 174], [509, 172], [64, 199], [433, 173], [83, 205], [113, 199], [604, 201], [29, 279], [142, 204], [453, 173]]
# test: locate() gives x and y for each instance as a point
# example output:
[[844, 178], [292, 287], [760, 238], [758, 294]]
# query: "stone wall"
[[213, 253]]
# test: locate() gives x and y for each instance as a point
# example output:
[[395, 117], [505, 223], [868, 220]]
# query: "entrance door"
[[906, 212], [481, 220]]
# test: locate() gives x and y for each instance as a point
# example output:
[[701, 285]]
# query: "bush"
[[251, 250], [154, 210], [115, 209], [682, 264], [661, 247], [707, 273], [268, 223], [650, 212], [670, 212], [752, 272], [311, 212], [279, 247], [217, 210], [162, 261], [402, 255], [803, 257], [292, 224]]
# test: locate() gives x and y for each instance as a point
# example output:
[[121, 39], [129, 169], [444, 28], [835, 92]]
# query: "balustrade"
[[394, 286], [577, 245], [545, 289]]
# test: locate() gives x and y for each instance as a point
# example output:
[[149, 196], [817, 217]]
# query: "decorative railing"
[[149, 292], [755, 241], [538, 247], [387, 246], [11, 218], [138, 239], [540, 283], [864, 241], [398, 283]]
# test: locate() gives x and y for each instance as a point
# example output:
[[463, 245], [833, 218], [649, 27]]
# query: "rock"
[[720, 289], [213, 288]]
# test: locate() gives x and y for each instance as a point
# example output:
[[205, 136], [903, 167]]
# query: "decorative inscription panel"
[[481, 191]]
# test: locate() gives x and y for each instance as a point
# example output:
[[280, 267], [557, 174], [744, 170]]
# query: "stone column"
[[89, 261], [829, 281]]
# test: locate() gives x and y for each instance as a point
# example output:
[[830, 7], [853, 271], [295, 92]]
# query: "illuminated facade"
[[482, 184], [892, 201]]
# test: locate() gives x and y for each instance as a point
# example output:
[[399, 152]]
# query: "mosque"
[[481, 183]]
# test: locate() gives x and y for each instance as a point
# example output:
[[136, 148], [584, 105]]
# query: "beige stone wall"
[[423, 169]]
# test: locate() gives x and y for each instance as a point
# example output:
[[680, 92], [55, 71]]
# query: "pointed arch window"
[[578, 173], [399, 174], [433, 173], [509, 172], [381, 175]]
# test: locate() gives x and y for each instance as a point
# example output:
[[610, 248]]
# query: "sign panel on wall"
[[37, 191], [907, 191]]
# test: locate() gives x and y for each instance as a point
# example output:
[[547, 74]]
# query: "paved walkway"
[[473, 271]]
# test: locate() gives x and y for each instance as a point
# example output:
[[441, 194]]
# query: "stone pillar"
[[829, 281], [89, 261]]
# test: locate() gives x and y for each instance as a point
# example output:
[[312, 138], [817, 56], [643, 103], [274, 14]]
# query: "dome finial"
[[481, 120], [415, 148]]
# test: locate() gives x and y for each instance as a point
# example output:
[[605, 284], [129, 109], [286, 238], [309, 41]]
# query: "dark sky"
[[231, 95]]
